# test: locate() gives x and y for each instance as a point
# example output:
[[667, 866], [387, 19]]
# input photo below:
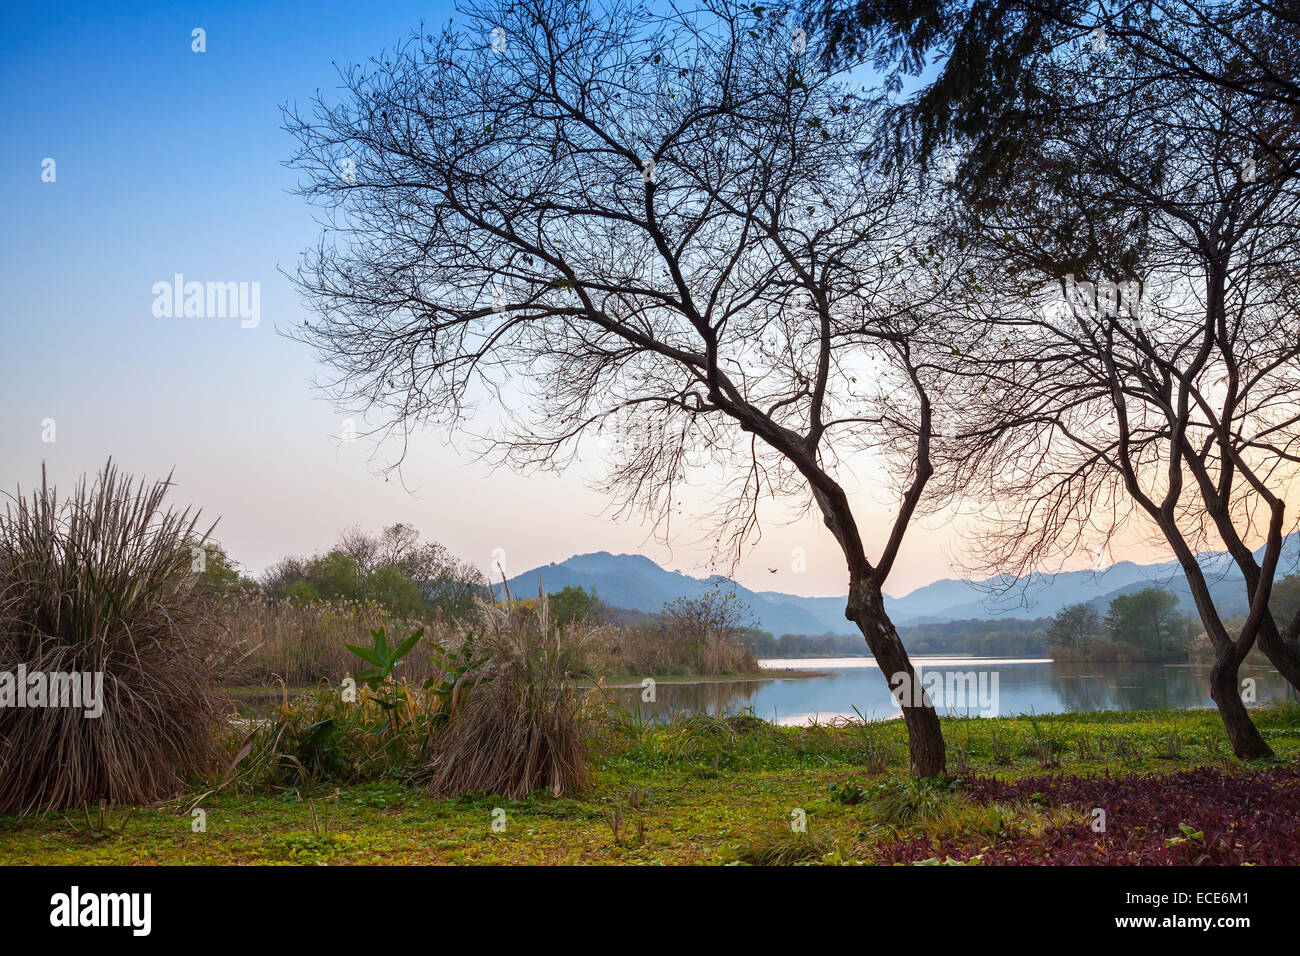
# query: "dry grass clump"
[[522, 727], [102, 583]]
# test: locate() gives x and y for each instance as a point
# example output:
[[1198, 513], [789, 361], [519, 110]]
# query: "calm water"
[[1021, 686]]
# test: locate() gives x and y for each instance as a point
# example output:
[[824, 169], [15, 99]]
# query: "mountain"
[[634, 581]]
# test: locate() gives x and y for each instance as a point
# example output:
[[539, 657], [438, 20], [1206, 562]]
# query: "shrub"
[[380, 726], [522, 727], [779, 845], [914, 801], [848, 792], [321, 737], [103, 583], [494, 713]]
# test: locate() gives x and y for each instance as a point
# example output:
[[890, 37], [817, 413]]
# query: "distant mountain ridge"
[[634, 581]]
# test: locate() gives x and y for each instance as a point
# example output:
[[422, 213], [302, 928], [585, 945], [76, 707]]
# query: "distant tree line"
[[393, 570], [1148, 625], [763, 644], [1008, 637], [1003, 638]]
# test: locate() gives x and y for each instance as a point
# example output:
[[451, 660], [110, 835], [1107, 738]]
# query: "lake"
[[983, 686]]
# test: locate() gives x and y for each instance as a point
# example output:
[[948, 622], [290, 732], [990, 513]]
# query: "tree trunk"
[[1246, 741], [1281, 652], [866, 608]]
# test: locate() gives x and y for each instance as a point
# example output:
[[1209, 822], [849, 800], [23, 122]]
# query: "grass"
[[701, 790]]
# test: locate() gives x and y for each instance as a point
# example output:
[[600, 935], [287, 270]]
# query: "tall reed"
[[104, 583], [305, 643], [522, 729]]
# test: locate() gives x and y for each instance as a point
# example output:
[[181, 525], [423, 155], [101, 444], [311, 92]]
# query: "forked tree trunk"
[[1229, 652], [1246, 741], [1281, 651], [866, 608]]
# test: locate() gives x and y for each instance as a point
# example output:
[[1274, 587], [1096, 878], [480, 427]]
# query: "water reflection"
[[849, 687]]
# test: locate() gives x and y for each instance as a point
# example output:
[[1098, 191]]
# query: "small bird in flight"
[[771, 570]]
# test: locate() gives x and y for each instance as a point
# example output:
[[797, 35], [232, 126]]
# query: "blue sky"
[[169, 161]]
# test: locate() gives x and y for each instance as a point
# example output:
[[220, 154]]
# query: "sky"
[[169, 162]]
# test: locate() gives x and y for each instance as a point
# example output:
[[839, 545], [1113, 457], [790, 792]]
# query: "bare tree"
[[362, 547], [658, 231], [1156, 375]]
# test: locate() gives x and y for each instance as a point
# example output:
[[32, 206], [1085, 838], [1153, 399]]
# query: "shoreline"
[[630, 682]]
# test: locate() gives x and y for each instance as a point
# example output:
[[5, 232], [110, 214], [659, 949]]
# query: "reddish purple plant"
[[1195, 817]]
